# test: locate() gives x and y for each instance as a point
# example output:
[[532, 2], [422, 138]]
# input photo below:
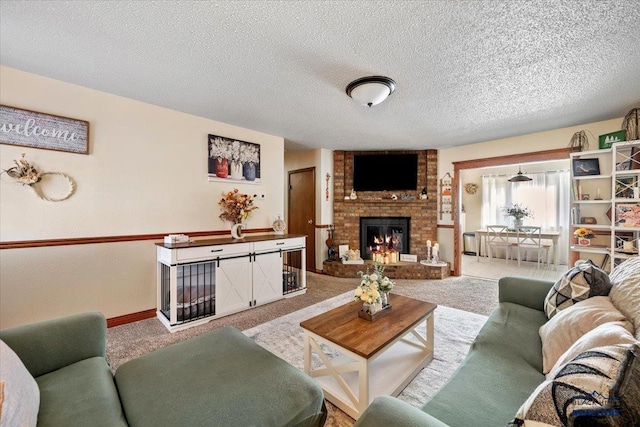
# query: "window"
[[547, 195]]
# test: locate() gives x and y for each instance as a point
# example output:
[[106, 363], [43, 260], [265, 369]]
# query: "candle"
[[428, 243]]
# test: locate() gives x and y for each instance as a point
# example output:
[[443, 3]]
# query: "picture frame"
[[628, 215], [624, 188], [623, 166], [233, 160], [586, 167], [27, 128], [585, 197]]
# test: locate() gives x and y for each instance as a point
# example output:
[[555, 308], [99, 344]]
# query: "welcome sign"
[[38, 130]]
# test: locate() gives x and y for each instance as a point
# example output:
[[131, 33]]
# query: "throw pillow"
[[606, 334], [596, 385], [565, 328], [583, 281], [21, 395], [625, 291]]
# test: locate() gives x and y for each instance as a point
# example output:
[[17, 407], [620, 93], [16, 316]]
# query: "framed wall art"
[[585, 167], [231, 160], [40, 130]]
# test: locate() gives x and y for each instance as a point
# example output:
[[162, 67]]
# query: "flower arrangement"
[[584, 233], [249, 154], [24, 172], [236, 206], [517, 211], [234, 153], [373, 285], [219, 148]]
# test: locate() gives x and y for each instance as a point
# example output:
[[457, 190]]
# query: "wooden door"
[[302, 209]]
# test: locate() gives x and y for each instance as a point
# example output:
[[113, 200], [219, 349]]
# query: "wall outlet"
[[262, 196]]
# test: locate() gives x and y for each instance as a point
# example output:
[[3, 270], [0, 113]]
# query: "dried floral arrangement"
[[24, 172], [236, 206]]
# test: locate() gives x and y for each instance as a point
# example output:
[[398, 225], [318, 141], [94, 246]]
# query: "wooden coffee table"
[[375, 358]]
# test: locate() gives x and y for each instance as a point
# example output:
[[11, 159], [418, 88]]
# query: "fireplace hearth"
[[381, 234]]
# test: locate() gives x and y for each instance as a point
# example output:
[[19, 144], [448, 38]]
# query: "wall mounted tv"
[[385, 172]]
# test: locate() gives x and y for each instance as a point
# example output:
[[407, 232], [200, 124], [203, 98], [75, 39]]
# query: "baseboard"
[[318, 271], [132, 317]]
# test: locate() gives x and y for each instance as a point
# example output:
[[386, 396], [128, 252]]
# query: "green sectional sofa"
[[220, 378], [502, 369], [588, 349]]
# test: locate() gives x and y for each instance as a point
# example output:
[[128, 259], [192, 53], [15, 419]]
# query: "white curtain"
[[547, 195]]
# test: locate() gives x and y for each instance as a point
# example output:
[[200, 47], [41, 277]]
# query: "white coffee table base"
[[351, 382]]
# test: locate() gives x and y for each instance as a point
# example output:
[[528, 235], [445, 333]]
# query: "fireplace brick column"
[[423, 213]]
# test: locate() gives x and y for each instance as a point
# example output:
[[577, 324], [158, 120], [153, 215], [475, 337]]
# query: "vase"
[[236, 170], [517, 223], [236, 231], [222, 167], [372, 308], [249, 171], [583, 242], [385, 299]]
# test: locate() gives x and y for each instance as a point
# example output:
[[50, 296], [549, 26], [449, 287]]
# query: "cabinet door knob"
[[310, 221]]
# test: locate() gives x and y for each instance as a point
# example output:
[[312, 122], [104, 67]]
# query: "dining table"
[[552, 235]]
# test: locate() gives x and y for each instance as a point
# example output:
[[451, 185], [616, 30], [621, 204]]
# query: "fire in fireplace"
[[384, 234]]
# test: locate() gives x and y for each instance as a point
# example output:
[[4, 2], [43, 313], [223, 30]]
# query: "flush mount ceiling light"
[[520, 177], [371, 90]]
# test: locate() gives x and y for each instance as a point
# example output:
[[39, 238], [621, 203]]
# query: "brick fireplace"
[[383, 234], [422, 214]]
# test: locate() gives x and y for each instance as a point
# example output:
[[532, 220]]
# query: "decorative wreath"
[[26, 174], [471, 188]]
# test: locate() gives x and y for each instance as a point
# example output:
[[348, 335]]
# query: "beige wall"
[[322, 161], [146, 173], [540, 141]]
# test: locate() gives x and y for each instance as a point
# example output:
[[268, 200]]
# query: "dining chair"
[[498, 238], [528, 238]]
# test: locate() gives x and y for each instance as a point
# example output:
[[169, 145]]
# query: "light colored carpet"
[[128, 341], [454, 331]]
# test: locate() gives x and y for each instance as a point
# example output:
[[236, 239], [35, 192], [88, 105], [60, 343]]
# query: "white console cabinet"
[[205, 279]]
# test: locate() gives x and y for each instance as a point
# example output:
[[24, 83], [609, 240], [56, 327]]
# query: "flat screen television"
[[385, 172]]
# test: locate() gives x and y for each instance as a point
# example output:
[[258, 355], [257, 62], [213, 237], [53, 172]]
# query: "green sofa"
[[221, 378], [503, 367]]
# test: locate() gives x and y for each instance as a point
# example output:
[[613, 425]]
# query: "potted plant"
[[584, 236]]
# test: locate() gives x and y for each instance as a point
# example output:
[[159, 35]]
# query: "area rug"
[[454, 332]]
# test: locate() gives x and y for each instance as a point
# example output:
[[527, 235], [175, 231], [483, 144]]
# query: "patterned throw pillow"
[[583, 281], [20, 400], [598, 387], [625, 291]]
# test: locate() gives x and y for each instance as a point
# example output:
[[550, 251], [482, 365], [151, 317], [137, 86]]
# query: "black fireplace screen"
[[383, 234]]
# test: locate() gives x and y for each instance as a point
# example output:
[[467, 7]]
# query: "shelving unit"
[[444, 192], [605, 199]]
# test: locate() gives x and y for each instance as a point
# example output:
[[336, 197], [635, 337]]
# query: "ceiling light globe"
[[371, 90]]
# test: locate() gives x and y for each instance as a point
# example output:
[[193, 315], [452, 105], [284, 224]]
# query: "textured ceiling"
[[467, 71]]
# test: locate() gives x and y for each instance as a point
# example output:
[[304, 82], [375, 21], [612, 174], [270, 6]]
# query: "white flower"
[[373, 277]]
